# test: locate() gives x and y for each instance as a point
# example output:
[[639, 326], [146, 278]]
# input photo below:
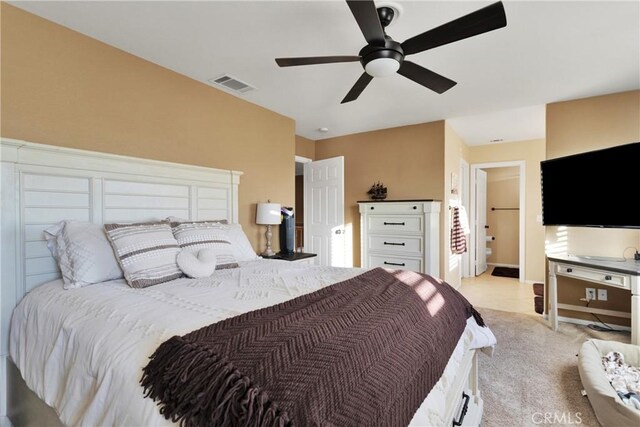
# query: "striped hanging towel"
[[458, 241]]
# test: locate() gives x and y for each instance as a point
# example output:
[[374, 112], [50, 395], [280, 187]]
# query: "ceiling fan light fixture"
[[382, 67]]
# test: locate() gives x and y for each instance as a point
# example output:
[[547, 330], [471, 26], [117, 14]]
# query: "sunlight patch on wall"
[[348, 246], [454, 261], [559, 244]]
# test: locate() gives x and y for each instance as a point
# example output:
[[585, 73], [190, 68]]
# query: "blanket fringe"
[[196, 387]]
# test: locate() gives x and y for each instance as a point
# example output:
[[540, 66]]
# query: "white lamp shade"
[[268, 214]]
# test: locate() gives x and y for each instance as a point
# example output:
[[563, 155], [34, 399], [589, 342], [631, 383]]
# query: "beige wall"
[[62, 88], [305, 147], [503, 191], [592, 123], [585, 125], [409, 160], [455, 150], [532, 152]]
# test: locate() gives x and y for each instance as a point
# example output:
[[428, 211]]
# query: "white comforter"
[[82, 350]]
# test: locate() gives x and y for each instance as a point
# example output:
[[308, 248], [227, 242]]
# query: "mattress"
[[82, 351]]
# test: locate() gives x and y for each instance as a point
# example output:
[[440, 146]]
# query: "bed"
[[81, 352]]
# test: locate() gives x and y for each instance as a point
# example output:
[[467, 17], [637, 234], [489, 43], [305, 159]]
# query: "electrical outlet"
[[590, 294], [602, 294]]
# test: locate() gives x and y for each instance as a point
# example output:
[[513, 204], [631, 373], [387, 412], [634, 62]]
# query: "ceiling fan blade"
[[426, 78], [292, 62], [481, 21], [367, 18], [357, 88]]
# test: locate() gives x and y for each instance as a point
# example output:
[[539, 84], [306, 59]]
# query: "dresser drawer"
[[394, 262], [396, 244], [393, 208], [384, 223], [606, 278]]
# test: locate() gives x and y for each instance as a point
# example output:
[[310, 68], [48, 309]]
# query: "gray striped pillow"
[[196, 235], [146, 252]]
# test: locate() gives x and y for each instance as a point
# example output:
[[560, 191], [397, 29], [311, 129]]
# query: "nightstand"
[[299, 257]]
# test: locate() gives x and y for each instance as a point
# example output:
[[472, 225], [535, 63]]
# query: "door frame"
[[464, 201], [521, 164], [300, 159]]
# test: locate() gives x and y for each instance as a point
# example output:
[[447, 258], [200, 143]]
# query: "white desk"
[[621, 275]]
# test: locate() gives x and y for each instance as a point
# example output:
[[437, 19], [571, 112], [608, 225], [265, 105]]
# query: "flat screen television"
[[594, 189]]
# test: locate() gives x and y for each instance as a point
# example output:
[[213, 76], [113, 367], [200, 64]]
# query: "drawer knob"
[[393, 223], [569, 270], [401, 264], [607, 277], [393, 244], [415, 207], [372, 208]]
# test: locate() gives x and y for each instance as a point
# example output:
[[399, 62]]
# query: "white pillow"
[[83, 253], [242, 249]]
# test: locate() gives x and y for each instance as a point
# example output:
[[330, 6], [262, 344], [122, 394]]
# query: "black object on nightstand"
[[295, 256]]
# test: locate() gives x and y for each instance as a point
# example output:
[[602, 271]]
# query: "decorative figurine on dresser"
[[401, 234]]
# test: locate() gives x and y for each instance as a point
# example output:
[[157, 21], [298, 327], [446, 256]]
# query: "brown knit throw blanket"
[[365, 351]]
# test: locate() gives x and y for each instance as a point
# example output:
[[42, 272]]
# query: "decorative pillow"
[[178, 219], [83, 253], [146, 252], [197, 235], [202, 264]]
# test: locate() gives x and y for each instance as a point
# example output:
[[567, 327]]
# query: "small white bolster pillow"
[[202, 264]]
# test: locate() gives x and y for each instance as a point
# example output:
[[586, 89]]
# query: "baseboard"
[[587, 322], [497, 264], [5, 422], [531, 282]]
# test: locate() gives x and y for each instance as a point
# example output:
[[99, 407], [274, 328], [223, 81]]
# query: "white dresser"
[[402, 234]]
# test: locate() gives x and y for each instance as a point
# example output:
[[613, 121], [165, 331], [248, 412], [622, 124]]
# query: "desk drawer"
[[396, 244], [383, 223], [618, 280], [393, 262]]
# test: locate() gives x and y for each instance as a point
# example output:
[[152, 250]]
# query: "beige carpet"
[[534, 372]]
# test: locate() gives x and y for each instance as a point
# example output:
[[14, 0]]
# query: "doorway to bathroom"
[[497, 219]]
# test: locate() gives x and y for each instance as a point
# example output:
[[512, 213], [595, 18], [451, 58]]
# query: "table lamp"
[[268, 214]]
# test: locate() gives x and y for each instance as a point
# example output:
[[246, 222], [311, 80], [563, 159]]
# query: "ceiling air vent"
[[232, 84]]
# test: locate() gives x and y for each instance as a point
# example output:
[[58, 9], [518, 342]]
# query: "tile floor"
[[498, 293]]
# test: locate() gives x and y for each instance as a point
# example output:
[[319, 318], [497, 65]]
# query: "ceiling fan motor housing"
[[391, 50]]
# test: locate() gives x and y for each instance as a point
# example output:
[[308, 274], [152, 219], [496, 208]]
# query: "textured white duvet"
[[82, 350]]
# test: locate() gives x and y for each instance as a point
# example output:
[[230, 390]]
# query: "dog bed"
[[609, 408]]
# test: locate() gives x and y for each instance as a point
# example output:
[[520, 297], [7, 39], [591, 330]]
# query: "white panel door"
[[481, 221], [324, 231]]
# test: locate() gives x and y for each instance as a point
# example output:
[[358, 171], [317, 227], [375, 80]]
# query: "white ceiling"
[[517, 124], [549, 51]]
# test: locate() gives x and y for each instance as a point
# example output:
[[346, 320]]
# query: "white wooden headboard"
[[43, 184]]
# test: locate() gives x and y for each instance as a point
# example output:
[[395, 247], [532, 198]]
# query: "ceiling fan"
[[383, 56]]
